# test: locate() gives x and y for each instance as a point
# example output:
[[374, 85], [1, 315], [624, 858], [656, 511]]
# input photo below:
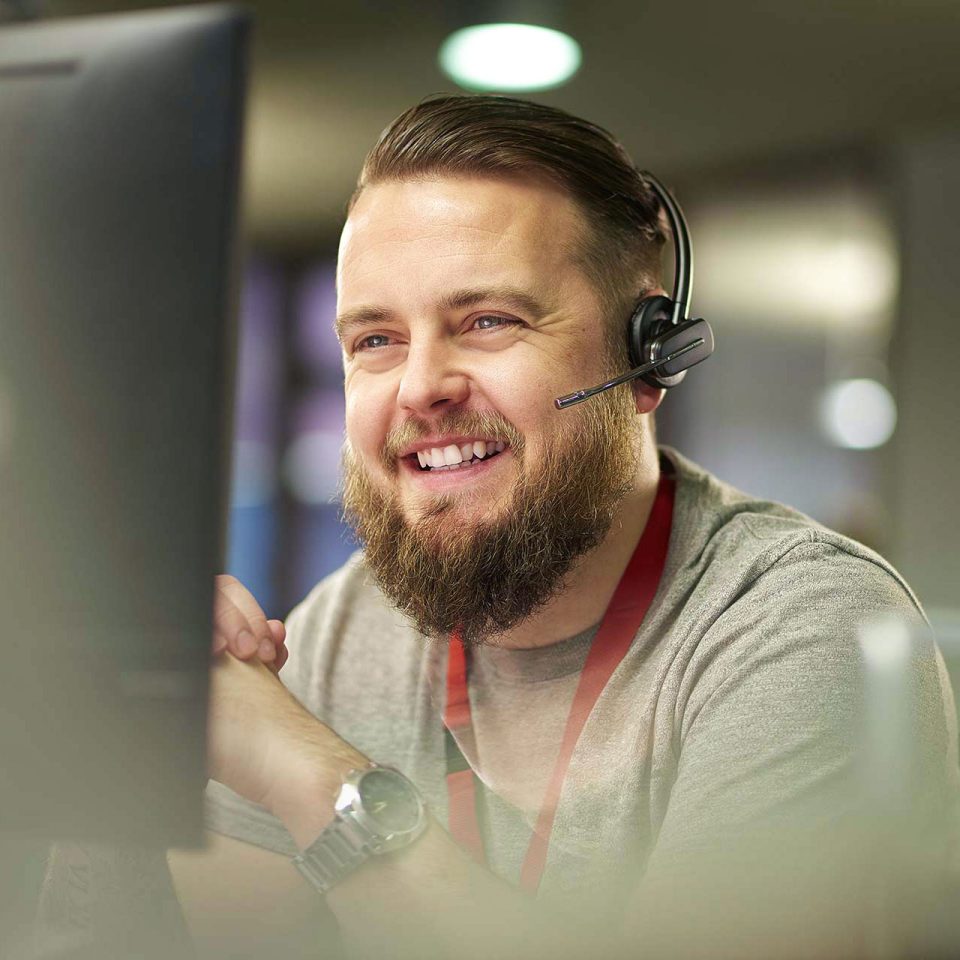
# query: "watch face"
[[389, 801]]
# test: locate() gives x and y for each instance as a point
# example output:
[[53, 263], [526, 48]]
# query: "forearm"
[[427, 900], [109, 903], [431, 900]]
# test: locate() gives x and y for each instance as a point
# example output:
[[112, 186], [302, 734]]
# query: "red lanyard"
[[620, 624]]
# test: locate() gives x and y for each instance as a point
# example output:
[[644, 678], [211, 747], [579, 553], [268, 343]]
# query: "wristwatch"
[[378, 810]]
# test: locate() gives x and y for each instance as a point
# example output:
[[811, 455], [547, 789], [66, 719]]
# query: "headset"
[[662, 341]]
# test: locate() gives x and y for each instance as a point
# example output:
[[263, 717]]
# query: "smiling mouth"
[[456, 456]]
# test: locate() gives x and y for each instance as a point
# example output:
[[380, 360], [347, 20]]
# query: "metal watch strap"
[[338, 851]]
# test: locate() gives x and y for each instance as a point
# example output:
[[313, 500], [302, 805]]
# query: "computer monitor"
[[119, 159]]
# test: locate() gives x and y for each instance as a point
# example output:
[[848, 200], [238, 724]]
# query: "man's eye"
[[487, 322], [372, 342]]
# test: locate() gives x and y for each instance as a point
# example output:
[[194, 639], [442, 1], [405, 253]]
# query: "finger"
[[279, 636], [267, 651], [231, 588], [231, 629]]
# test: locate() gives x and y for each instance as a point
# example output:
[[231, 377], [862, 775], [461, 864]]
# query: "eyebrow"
[[511, 297]]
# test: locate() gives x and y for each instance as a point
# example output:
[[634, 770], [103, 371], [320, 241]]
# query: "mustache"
[[480, 423]]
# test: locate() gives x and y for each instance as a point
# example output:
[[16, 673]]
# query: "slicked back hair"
[[493, 136]]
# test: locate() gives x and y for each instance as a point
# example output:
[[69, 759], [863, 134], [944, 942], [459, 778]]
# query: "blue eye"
[[373, 342], [490, 322]]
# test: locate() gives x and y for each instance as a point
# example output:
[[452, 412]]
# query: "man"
[[704, 797]]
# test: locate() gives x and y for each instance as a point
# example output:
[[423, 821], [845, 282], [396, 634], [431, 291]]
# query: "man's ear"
[[647, 398]]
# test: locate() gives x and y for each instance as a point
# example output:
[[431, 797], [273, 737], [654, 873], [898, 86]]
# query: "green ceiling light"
[[509, 57]]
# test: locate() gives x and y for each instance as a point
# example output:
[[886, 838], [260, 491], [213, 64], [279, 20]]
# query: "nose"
[[432, 381]]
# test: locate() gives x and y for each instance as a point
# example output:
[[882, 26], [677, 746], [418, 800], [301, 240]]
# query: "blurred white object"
[[825, 256], [859, 414], [311, 466]]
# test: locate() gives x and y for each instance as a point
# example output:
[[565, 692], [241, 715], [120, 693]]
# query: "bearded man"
[[689, 791]]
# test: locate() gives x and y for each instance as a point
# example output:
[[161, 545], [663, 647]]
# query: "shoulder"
[[743, 548], [771, 662], [773, 607]]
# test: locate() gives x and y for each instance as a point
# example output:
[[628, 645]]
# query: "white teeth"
[[452, 456]]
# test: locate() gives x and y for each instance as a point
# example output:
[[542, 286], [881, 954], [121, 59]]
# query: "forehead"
[[430, 233]]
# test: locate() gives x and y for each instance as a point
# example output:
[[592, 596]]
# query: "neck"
[[590, 585]]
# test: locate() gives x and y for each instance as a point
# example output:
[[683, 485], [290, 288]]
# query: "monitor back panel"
[[119, 145]]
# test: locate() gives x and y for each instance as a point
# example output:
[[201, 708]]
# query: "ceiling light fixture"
[[509, 57]]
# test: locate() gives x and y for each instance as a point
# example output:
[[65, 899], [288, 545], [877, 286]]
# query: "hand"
[[240, 626]]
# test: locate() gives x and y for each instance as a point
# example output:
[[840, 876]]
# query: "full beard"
[[481, 578]]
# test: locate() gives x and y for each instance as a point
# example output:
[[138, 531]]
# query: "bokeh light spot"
[[858, 414], [509, 56]]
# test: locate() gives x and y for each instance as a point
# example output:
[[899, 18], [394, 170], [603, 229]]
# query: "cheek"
[[366, 422], [527, 402], [521, 391]]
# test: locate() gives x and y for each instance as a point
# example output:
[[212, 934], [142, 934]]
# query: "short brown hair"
[[502, 136]]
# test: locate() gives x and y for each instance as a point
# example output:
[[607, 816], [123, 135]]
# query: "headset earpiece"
[[650, 316], [651, 335], [650, 320]]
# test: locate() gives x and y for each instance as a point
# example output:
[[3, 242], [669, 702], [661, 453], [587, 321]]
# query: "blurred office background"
[[815, 148]]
